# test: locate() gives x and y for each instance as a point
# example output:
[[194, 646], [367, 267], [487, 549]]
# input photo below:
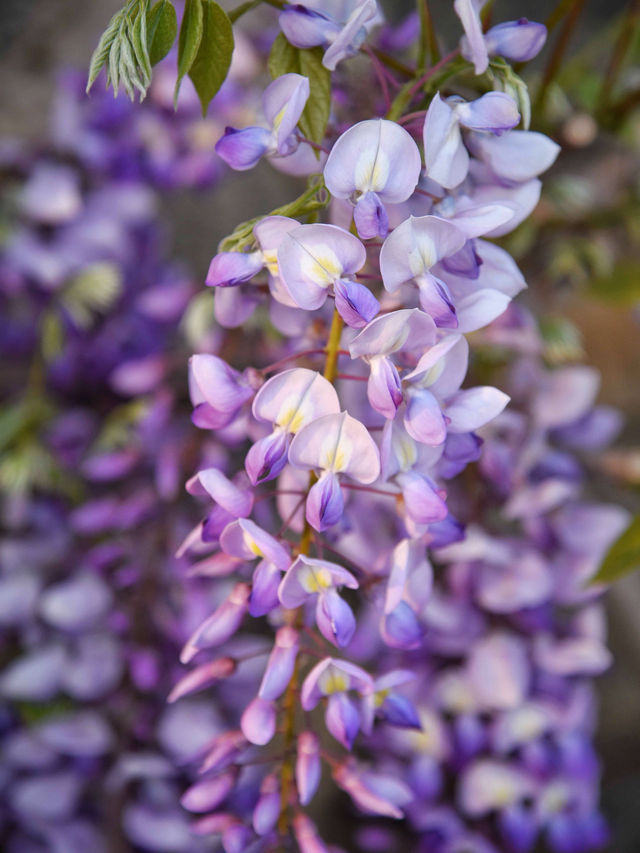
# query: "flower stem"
[[294, 617]]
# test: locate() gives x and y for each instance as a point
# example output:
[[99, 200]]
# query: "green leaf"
[[139, 43], [100, 55], [188, 41], [623, 557], [211, 65], [284, 58], [162, 28]]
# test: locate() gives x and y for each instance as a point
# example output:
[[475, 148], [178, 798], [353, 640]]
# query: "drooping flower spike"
[[282, 102], [374, 162], [313, 258]]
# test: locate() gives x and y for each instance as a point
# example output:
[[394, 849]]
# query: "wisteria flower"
[[333, 445], [343, 25], [289, 401], [374, 162], [307, 578], [333, 679], [446, 157], [313, 258], [282, 102]]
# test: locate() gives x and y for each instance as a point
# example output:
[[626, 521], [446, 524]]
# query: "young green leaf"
[[211, 65], [162, 28], [284, 58], [100, 55], [188, 41], [623, 557]]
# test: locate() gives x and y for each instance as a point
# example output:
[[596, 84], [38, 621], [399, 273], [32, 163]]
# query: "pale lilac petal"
[[267, 809], [264, 588], [207, 794], [487, 785], [267, 457], [307, 576], [517, 156], [342, 719], [384, 388], [217, 388], [407, 329], [415, 246], [572, 656], [354, 782], [221, 625], [480, 308], [281, 664], [306, 835], [283, 102], [304, 27], [243, 538], [335, 618], [331, 676], [469, 410], [229, 268], [325, 503], [565, 395], [376, 156], [355, 303], [242, 149], [202, 677], [499, 671], [237, 502], [522, 198], [423, 418], [370, 217], [401, 629], [352, 34], [258, 722], [337, 443], [437, 301], [446, 158], [308, 766], [476, 221], [518, 41], [424, 503], [232, 306], [475, 49], [313, 257], [77, 603], [294, 398], [526, 582], [494, 112]]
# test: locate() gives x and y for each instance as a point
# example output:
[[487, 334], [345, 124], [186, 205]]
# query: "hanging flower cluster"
[[455, 697], [95, 444]]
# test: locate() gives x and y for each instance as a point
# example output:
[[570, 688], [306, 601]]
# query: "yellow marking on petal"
[[278, 119], [316, 579], [270, 258], [252, 545], [333, 681], [406, 452], [379, 696]]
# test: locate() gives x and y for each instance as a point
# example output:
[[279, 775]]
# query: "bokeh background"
[[590, 277]]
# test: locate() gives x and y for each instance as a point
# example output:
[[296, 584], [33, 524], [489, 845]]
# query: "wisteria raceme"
[[96, 444], [431, 639]]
